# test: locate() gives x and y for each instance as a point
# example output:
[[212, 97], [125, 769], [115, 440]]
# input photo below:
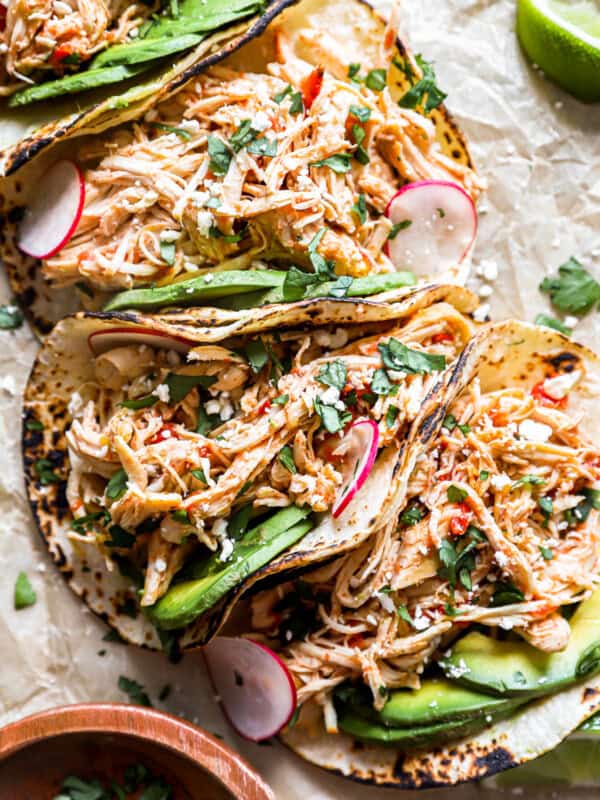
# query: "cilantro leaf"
[[167, 252], [506, 594], [117, 485], [297, 104], [140, 402], [403, 613], [425, 92], [376, 80], [296, 283], [220, 155], [582, 511], [243, 135], [381, 384], [24, 595], [528, 480], [333, 373], [119, 537], [547, 553], [398, 356], [11, 318], [360, 208], [183, 134], [134, 691], [339, 163], [391, 416], [455, 494], [552, 322], [286, 458], [361, 113], [331, 419], [574, 290], [263, 147], [257, 355], [280, 96], [181, 385], [412, 515]]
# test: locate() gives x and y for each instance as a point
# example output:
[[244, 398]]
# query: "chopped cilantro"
[[183, 134], [167, 252], [286, 458], [398, 356], [403, 614], [391, 416], [574, 290], [140, 402], [331, 419], [296, 104], [425, 93], [399, 226], [117, 485], [281, 400], [180, 514], [134, 691], [353, 70], [220, 155], [547, 553], [450, 422], [280, 96], [44, 469], [181, 385], [484, 475], [582, 511], [243, 135], [552, 322], [457, 560], [376, 80], [119, 537], [199, 475], [411, 515], [257, 355], [546, 506], [361, 113], [381, 384], [24, 594], [528, 480], [455, 494], [339, 163], [11, 317], [360, 209], [333, 373], [263, 147], [506, 594]]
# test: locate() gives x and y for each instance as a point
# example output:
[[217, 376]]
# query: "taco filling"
[[498, 540], [297, 164], [172, 458]]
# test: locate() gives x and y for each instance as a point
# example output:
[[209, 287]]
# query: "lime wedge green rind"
[[563, 38]]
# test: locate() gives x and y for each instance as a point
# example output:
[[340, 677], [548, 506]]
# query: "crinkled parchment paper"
[[540, 151]]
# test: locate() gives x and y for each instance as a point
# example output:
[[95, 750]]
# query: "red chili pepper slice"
[[442, 337], [311, 86], [168, 431], [544, 399], [264, 407], [461, 521]]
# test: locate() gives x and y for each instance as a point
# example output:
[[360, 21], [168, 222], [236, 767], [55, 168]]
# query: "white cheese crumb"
[[571, 322], [205, 221], [489, 270], [501, 558], [160, 565], [226, 550], [534, 431], [485, 290], [560, 386], [169, 236], [480, 314], [336, 339], [219, 529], [260, 122], [500, 481], [457, 670], [162, 392], [75, 407], [330, 396], [371, 619], [386, 602]]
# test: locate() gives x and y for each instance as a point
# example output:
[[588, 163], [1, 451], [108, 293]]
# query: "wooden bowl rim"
[[147, 724]]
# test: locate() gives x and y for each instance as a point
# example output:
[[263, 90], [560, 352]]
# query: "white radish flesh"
[[359, 451], [436, 227], [253, 685], [54, 213], [101, 341]]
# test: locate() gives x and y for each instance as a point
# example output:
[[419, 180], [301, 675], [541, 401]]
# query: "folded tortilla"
[[67, 482], [297, 39], [509, 356]]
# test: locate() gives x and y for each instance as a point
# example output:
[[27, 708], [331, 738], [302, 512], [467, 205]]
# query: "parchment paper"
[[540, 151]]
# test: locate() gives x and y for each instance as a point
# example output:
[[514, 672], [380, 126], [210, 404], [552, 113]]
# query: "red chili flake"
[[311, 86], [168, 431], [59, 54], [461, 521], [357, 640], [439, 338], [544, 399], [264, 407]]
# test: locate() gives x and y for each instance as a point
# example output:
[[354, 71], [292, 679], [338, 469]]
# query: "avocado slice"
[[210, 579], [194, 290], [139, 50], [79, 82], [418, 735], [515, 668]]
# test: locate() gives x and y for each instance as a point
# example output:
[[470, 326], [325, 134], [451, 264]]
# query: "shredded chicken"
[[500, 529], [56, 36], [234, 167], [174, 449]]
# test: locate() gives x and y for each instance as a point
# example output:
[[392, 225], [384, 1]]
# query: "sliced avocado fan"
[[515, 668]]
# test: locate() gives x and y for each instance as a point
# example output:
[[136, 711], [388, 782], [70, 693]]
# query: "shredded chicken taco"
[[462, 636], [170, 469], [266, 178]]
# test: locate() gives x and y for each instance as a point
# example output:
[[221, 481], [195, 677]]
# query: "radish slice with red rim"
[[436, 225], [54, 213], [359, 450], [254, 687], [103, 340]]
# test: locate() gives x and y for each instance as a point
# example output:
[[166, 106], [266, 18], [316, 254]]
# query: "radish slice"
[[55, 211], [359, 447], [101, 341], [442, 229], [255, 689]]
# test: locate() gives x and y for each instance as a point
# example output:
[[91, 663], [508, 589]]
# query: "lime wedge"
[[563, 38]]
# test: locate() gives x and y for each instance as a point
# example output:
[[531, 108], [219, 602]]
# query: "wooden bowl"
[[100, 740]]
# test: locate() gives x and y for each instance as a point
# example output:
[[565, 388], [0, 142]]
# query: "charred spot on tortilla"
[[565, 361]]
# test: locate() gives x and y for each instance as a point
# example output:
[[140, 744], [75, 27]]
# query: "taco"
[[268, 176], [181, 469], [463, 636]]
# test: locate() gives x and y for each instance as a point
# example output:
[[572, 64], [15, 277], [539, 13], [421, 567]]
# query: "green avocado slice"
[[148, 49], [80, 82], [515, 668], [211, 579], [204, 287], [417, 736]]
